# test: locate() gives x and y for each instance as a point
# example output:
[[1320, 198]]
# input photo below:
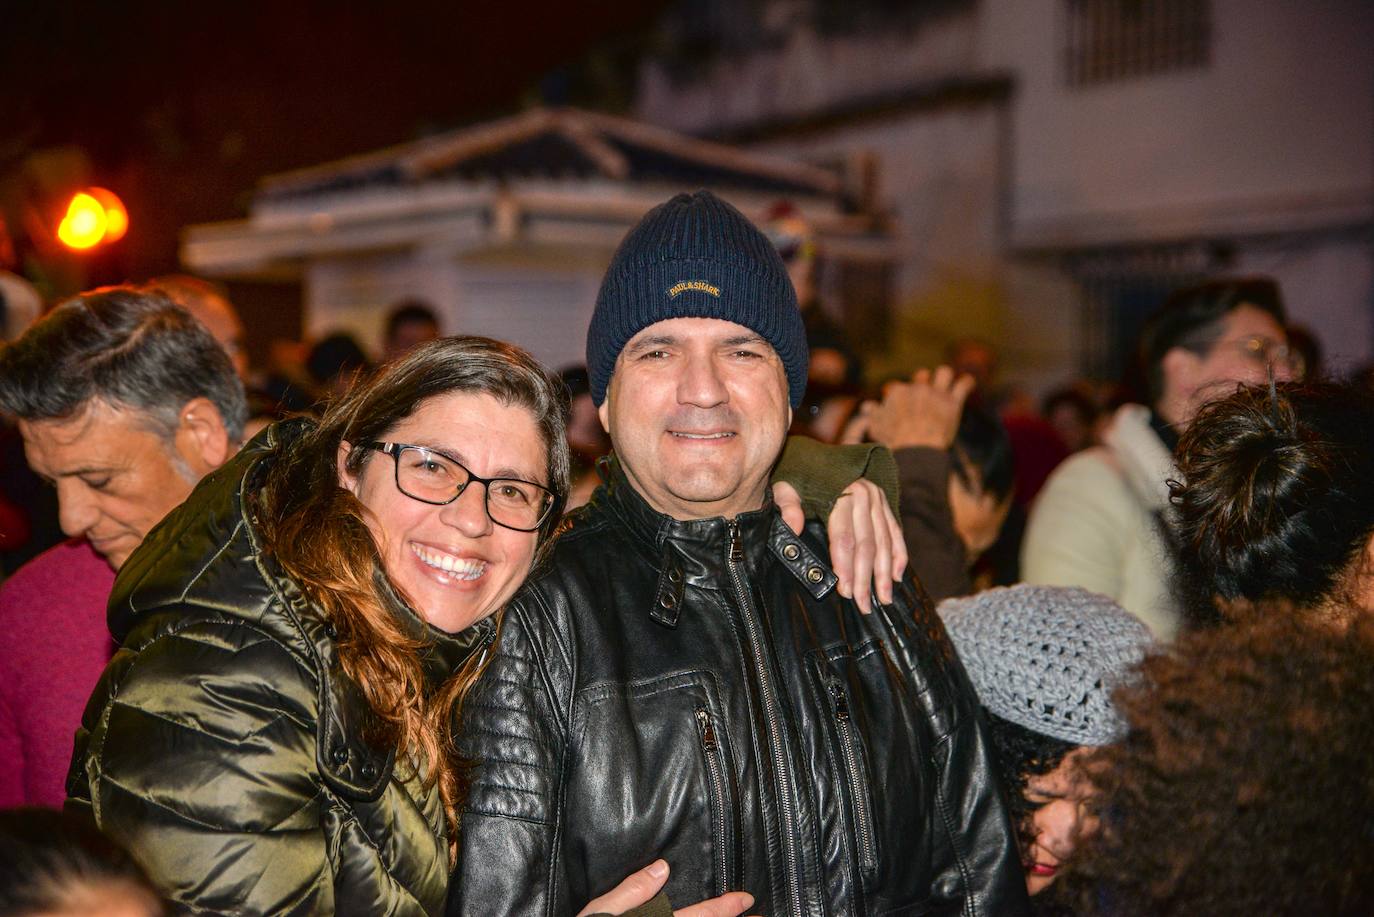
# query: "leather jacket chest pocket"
[[654, 774], [879, 749]]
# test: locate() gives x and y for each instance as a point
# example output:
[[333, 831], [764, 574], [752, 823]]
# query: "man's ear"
[[603, 412], [202, 440]]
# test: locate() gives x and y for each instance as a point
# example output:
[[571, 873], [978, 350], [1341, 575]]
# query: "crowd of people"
[[450, 633]]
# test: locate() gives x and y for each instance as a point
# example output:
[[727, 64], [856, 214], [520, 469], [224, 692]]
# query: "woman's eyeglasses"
[[432, 477]]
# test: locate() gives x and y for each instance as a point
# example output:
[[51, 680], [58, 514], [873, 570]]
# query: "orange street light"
[[93, 216]]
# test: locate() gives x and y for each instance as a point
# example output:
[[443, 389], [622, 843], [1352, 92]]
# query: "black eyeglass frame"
[[395, 449], [1268, 350]]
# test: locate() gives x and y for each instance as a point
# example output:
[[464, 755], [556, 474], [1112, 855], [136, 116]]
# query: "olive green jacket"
[[222, 745]]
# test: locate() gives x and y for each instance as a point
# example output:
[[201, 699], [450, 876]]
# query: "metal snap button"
[[340, 755], [369, 771], [791, 551], [815, 574], [668, 600], [674, 575], [330, 631]]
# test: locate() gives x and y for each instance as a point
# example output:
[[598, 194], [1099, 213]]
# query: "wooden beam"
[[476, 141], [718, 155], [608, 160]]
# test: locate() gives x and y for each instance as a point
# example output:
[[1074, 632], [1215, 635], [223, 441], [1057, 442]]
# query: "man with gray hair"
[[124, 402]]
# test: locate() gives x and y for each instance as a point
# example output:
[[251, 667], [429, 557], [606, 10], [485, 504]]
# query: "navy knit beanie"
[[696, 257]]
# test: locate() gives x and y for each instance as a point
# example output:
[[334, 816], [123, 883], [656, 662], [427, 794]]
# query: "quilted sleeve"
[[198, 754], [514, 730]]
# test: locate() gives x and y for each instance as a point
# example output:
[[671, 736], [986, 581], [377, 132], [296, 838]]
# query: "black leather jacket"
[[699, 691]]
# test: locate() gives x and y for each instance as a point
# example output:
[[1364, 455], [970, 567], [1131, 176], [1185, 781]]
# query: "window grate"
[[1119, 290], [1110, 40]]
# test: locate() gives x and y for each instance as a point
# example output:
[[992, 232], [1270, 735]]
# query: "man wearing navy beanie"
[[696, 257], [683, 681]]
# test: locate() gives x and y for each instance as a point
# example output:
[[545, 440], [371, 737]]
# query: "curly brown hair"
[[1244, 786], [1275, 501], [317, 530]]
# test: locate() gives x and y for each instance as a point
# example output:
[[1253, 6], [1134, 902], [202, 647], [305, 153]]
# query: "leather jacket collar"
[[704, 540], [698, 552]]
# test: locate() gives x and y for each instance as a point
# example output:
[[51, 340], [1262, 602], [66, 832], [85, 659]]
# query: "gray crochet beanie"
[[1047, 657], [696, 256]]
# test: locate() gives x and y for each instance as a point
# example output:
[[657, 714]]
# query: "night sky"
[[182, 107]]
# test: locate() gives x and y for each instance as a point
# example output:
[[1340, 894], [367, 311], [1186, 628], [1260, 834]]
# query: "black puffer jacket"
[[699, 691], [224, 747]]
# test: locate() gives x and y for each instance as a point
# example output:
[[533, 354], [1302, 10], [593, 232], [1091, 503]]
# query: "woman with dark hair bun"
[[1276, 504]]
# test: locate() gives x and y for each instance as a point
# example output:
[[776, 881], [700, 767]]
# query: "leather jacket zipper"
[[787, 816], [722, 811], [488, 639], [863, 820]]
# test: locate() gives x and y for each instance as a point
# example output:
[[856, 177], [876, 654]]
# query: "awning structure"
[[565, 179]]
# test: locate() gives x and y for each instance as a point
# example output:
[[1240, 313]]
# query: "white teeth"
[[703, 435], [439, 560]]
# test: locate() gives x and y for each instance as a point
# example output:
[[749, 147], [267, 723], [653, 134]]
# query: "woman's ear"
[[347, 480]]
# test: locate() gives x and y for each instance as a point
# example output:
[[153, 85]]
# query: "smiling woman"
[[298, 635], [457, 543]]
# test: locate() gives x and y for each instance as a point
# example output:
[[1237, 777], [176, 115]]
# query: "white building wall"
[[1269, 148], [1276, 135], [354, 293], [541, 304], [1278, 128], [939, 177], [807, 73], [544, 309]]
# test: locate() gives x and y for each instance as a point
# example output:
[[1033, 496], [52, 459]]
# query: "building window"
[[1120, 288], [1109, 40]]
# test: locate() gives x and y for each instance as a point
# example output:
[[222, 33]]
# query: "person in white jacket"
[[1102, 520]]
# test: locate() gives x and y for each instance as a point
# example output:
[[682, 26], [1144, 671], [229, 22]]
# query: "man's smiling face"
[[698, 410]]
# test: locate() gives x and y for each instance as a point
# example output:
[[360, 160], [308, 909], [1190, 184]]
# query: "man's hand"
[[922, 412], [866, 544], [641, 886]]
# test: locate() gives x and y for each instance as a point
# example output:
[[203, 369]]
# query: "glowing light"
[[116, 217], [85, 224], [94, 216]]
